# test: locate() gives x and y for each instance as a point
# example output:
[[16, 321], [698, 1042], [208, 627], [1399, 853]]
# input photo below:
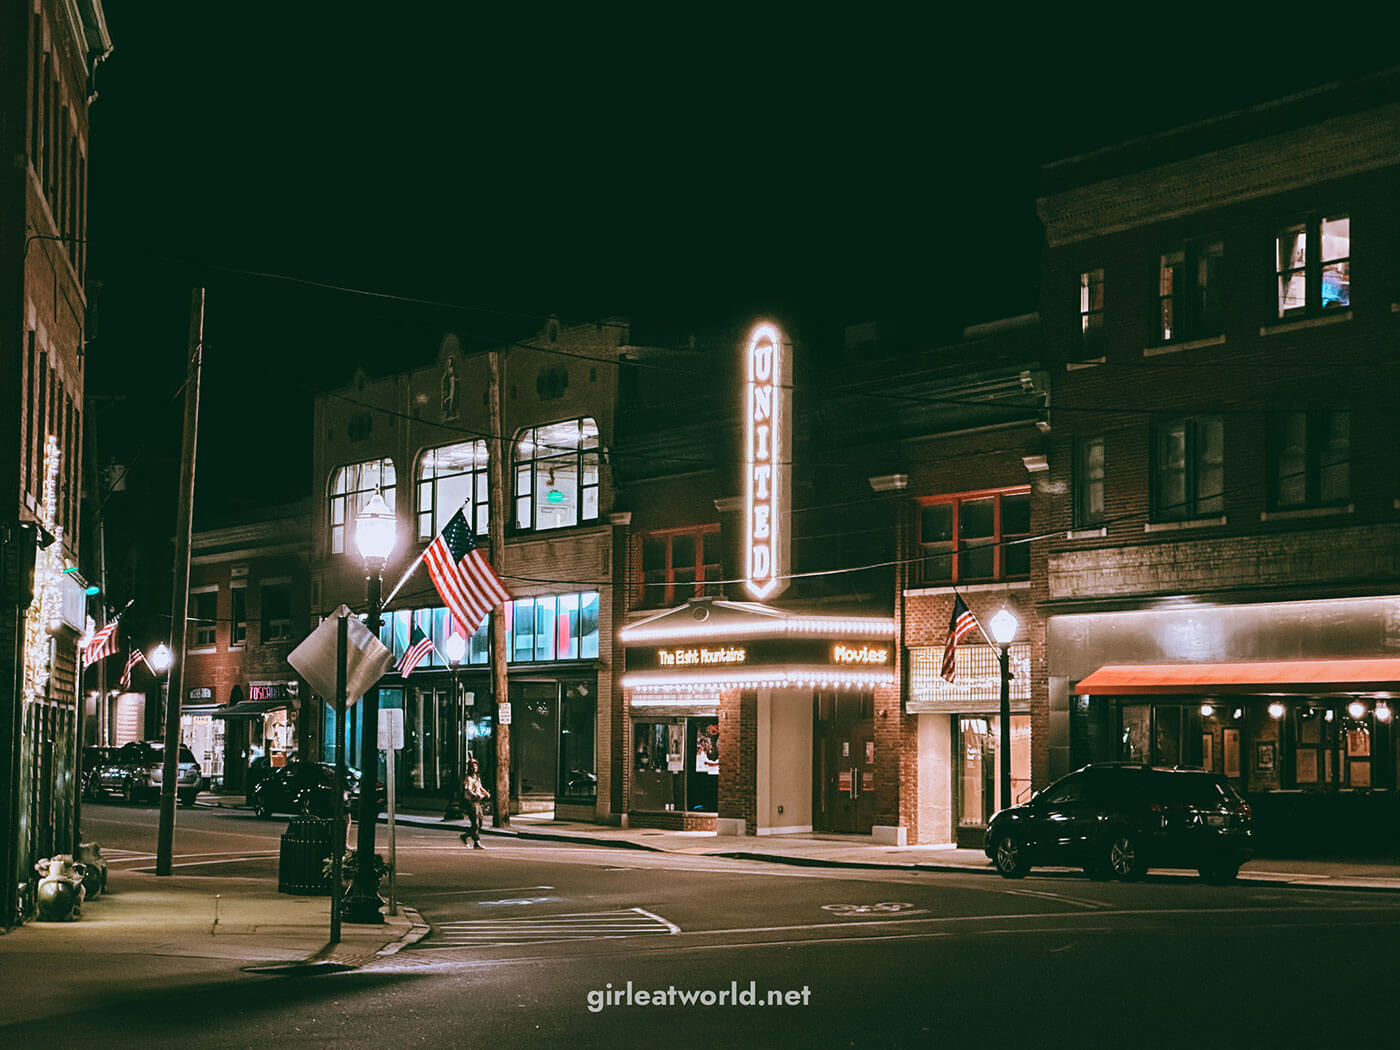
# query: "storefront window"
[[979, 769], [577, 760]]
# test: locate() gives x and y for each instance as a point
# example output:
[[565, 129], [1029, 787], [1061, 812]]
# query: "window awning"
[[1272, 676], [251, 708]]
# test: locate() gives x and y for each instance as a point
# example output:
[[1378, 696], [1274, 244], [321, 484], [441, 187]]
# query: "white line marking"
[[1059, 897]]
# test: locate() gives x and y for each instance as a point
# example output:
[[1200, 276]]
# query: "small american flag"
[[463, 577], [135, 658], [102, 645], [419, 646], [960, 623]]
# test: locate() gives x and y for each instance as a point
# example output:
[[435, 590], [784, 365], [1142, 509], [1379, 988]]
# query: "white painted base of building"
[[803, 830], [889, 835], [730, 826]]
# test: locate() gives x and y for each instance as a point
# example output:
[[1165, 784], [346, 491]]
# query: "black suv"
[[1117, 819], [135, 771]]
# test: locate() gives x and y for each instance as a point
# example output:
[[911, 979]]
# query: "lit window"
[[980, 536], [351, 488], [1188, 469], [1313, 265], [1310, 457], [1091, 310], [675, 565], [1089, 482], [1190, 292], [453, 478], [552, 627], [556, 475]]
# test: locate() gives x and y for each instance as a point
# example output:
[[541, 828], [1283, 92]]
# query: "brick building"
[[248, 606], [423, 439], [1220, 584], [48, 54]]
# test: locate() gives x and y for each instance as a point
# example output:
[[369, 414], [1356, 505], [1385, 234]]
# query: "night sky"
[[456, 171]]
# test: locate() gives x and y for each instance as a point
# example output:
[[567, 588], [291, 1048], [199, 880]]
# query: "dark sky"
[[684, 172]]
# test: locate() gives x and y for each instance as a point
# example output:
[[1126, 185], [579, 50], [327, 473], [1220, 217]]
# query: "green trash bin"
[[306, 845]]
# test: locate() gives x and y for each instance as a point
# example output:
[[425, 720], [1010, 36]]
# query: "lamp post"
[[1004, 626], [375, 530], [160, 660], [456, 647]]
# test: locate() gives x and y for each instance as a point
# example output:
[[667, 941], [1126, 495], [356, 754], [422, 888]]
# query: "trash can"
[[306, 845]]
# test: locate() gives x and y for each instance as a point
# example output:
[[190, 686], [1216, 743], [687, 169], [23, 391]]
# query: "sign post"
[[390, 741]]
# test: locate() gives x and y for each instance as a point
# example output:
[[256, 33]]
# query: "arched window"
[[556, 475], [351, 489], [450, 477]]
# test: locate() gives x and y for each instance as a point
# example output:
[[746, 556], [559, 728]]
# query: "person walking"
[[474, 795]]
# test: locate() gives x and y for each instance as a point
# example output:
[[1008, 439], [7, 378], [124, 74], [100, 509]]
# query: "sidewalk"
[[857, 851]]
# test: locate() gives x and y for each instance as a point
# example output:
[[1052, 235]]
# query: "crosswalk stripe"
[[630, 922]]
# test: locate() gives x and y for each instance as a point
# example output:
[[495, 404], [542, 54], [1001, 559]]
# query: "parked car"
[[136, 771], [306, 787], [93, 759], [1117, 819]]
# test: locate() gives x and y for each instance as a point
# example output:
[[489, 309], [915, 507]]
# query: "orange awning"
[[1305, 677]]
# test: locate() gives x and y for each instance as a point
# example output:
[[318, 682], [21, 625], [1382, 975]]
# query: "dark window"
[[1313, 265], [1188, 468], [675, 565], [1310, 457], [1189, 292], [204, 618], [276, 613], [239, 620], [1089, 481], [578, 715], [976, 537]]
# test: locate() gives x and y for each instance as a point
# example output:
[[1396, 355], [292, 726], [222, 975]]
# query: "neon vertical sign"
[[767, 436]]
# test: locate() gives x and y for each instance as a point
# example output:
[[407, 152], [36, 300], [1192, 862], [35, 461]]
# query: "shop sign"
[[705, 657], [767, 460], [878, 655], [277, 691], [766, 652], [201, 692]]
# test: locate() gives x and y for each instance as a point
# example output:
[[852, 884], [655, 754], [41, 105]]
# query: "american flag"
[[462, 575], [960, 623], [135, 658], [102, 645], [419, 646]]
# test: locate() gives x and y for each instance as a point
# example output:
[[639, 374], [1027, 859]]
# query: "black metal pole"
[[338, 795], [1006, 800], [364, 901]]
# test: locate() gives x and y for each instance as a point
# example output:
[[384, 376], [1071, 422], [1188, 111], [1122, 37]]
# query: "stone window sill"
[[1281, 326], [1306, 512], [1190, 344], [1190, 523]]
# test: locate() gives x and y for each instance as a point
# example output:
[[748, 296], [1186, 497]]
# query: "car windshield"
[[156, 753]]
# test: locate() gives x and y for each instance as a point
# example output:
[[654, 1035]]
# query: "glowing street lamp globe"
[[376, 530], [161, 658], [1004, 626], [456, 647]]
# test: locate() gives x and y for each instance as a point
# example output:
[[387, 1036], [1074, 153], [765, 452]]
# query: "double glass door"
[[435, 746]]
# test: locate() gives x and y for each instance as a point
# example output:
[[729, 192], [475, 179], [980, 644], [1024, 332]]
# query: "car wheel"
[[187, 801], [1220, 872], [1010, 858], [1122, 857]]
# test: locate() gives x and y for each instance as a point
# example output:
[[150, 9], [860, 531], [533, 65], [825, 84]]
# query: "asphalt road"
[[536, 944]]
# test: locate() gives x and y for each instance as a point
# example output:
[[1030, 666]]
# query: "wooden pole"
[[179, 594], [499, 509]]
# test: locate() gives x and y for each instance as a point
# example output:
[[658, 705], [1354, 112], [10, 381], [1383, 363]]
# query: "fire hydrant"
[[61, 893]]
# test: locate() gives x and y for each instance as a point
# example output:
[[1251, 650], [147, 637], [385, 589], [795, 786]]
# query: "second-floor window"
[[1313, 265], [238, 626], [1091, 310], [556, 475], [450, 478], [676, 563], [1188, 468], [276, 612], [1089, 482], [351, 489], [974, 537], [1189, 292], [1310, 457], [204, 619]]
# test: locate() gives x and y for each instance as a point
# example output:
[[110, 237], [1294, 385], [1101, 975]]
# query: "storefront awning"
[[251, 708], [1304, 677]]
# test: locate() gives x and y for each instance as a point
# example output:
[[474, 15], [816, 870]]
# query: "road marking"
[[1081, 902], [536, 929]]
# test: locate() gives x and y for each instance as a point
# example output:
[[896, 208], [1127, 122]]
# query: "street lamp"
[[1004, 626], [375, 533], [160, 660], [456, 649]]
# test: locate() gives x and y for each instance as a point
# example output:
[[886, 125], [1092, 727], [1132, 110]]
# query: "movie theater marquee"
[[768, 460]]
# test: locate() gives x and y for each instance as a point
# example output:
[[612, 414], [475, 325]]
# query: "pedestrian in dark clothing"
[[474, 795]]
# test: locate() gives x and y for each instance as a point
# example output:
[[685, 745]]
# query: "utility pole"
[[497, 536], [179, 596]]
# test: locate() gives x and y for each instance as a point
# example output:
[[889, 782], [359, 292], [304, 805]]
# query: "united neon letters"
[[767, 431]]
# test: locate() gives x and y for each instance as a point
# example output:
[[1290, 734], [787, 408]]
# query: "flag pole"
[[404, 579], [977, 620]]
